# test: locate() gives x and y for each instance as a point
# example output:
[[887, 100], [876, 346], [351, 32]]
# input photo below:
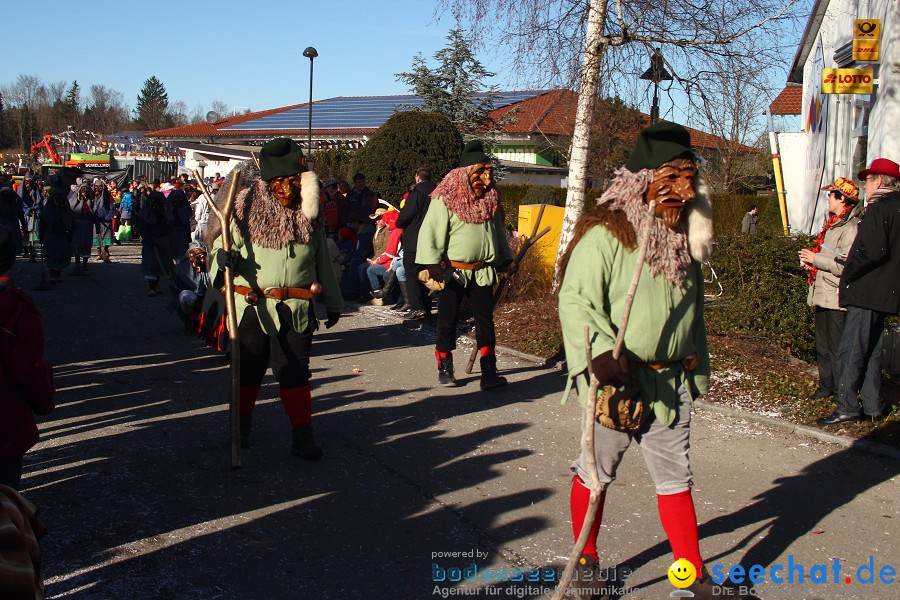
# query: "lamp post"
[[311, 54], [201, 166], [656, 73]]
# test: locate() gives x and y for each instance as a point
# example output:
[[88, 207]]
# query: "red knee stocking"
[[441, 356], [248, 395], [297, 404], [486, 351], [676, 511], [579, 498]]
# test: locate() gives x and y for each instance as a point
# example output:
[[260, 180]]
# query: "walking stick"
[[224, 216], [529, 241], [587, 432]]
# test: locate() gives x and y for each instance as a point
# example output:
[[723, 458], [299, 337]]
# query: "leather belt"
[[465, 266], [662, 364], [252, 296]]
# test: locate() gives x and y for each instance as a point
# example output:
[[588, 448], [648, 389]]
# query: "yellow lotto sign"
[[866, 50], [848, 81]]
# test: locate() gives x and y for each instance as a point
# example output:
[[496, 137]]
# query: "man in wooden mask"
[[665, 357]]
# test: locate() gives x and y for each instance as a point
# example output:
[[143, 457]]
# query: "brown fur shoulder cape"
[[614, 220]]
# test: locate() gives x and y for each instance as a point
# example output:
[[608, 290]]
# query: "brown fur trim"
[[614, 220], [263, 221]]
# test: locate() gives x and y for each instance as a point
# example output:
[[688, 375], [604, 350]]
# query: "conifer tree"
[[72, 108], [152, 105]]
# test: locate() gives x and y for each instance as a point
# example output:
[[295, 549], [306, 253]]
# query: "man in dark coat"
[[870, 291], [410, 221], [56, 227]]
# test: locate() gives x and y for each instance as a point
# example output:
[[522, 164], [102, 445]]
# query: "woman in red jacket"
[[26, 381]]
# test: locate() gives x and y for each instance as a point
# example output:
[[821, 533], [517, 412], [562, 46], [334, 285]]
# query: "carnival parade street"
[[423, 491]]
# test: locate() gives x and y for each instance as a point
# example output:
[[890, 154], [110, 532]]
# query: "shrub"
[[332, 163], [513, 195], [765, 290], [729, 210], [406, 141]]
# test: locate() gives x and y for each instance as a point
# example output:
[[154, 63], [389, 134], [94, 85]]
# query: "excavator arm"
[[47, 145]]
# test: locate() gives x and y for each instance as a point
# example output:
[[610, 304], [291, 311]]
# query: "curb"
[[804, 431], [785, 426]]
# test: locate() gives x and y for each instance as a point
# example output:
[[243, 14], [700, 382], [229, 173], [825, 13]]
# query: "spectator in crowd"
[[32, 200], [331, 206], [57, 226], [26, 380], [12, 217], [870, 291], [400, 274], [155, 219], [410, 221], [824, 272], [351, 280], [748, 223], [381, 277], [105, 211], [85, 211], [361, 199]]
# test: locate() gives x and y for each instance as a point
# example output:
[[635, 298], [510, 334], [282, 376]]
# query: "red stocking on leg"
[[579, 498], [297, 404], [248, 395], [676, 511]]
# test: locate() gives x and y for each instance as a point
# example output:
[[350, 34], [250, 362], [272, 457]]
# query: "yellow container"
[[545, 247]]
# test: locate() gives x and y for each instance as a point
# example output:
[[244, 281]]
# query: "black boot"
[[389, 283], [246, 424], [489, 377], [445, 371], [304, 445], [32, 253], [403, 303]]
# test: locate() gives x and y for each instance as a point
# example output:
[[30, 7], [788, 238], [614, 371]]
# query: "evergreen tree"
[[406, 141], [152, 105], [456, 86], [72, 109]]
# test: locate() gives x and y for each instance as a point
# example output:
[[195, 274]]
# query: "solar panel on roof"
[[355, 112]]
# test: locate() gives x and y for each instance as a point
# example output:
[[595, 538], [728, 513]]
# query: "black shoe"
[[489, 377], [704, 588], [304, 445], [820, 394], [445, 371], [415, 315], [837, 418]]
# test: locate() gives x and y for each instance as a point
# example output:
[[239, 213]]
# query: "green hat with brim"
[[473, 153], [281, 157], [658, 144]]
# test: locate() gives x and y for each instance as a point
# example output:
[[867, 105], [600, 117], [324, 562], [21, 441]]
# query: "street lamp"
[[656, 73], [201, 166], [311, 54]]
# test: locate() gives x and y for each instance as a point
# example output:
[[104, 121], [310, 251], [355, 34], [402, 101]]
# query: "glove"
[[227, 259], [436, 272], [332, 320], [611, 371]]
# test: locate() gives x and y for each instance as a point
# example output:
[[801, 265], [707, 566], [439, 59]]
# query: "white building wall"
[[792, 146], [841, 145]]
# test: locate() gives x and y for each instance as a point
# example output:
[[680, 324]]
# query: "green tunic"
[[666, 322], [444, 236], [294, 265]]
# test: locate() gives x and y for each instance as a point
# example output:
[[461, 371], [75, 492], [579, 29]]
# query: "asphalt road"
[[418, 482]]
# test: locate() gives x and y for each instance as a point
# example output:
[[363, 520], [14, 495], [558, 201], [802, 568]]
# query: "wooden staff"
[[587, 428], [224, 216], [529, 241]]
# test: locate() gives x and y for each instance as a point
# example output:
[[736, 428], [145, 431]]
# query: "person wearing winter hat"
[[870, 291], [26, 380], [664, 363], [463, 243], [282, 267]]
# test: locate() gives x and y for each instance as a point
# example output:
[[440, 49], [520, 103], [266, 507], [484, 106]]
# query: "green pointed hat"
[[473, 153], [658, 144], [281, 157]]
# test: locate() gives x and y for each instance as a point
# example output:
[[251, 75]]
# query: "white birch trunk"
[[581, 136]]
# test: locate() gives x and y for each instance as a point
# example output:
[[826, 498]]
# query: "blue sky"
[[246, 54]]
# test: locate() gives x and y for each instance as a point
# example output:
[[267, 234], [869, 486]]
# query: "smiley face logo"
[[682, 573]]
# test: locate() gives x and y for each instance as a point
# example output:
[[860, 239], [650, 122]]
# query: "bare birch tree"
[[594, 45]]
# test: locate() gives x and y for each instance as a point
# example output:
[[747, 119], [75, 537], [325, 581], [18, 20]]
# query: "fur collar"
[[621, 208], [457, 195], [264, 222]]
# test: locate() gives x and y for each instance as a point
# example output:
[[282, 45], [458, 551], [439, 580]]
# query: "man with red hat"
[[870, 291]]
